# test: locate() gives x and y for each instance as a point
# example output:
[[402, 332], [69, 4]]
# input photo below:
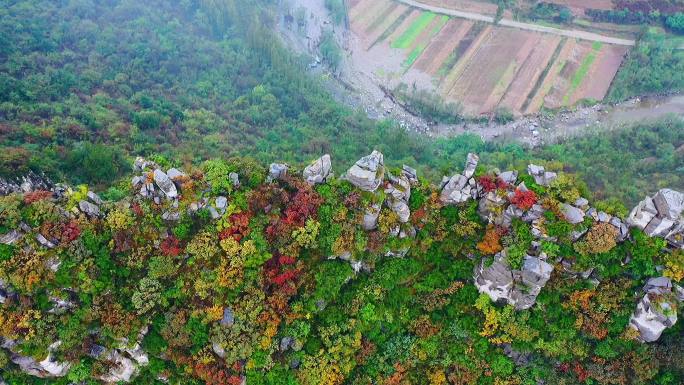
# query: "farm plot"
[[439, 49], [491, 69], [479, 65]]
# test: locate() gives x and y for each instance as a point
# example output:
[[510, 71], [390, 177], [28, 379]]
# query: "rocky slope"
[[235, 248]]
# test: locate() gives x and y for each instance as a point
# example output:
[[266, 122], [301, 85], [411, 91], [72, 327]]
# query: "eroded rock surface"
[[368, 172], [656, 311], [318, 171]]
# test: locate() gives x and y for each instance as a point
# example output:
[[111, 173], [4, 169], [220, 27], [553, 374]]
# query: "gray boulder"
[[10, 237], [277, 171], [509, 177], [642, 214], [669, 203], [228, 317], [456, 190], [44, 241], [471, 165], [89, 209], [540, 175], [94, 198], [410, 173], [165, 184], [572, 214], [368, 172], [656, 311], [47, 368], [370, 217], [518, 288], [234, 179], [174, 173], [318, 171]]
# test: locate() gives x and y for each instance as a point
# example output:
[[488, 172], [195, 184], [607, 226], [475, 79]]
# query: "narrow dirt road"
[[526, 26]]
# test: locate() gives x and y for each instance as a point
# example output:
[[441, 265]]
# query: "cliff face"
[[230, 271]]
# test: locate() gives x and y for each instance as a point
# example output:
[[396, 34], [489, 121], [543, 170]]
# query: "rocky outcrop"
[[656, 311], [572, 214], [46, 368], [540, 175], [165, 184], [27, 183], [398, 194], [319, 171], [368, 172], [518, 288], [461, 187], [277, 171], [661, 216]]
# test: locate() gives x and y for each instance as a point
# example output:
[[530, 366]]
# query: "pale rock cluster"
[[657, 310]]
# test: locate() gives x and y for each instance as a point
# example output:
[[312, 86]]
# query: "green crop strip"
[[406, 39], [416, 52], [583, 70]]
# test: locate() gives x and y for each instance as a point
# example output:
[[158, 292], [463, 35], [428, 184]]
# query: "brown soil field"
[[359, 8], [597, 82], [443, 45], [381, 18], [372, 36], [376, 9], [511, 74], [480, 65], [551, 76], [489, 68], [463, 61], [529, 73], [555, 97]]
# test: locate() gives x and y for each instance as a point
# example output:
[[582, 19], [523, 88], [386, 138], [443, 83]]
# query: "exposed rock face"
[[318, 171], [10, 237], [165, 184], [398, 195], [368, 172], [234, 179], [46, 368], [572, 214], [125, 360], [460, 188], [661, 216], [519, 288], [656, 311], [540, 175], [27, 183], [174, 173], [471, 165], [669, 203], [370, 217], [277, 171], [89, 209]]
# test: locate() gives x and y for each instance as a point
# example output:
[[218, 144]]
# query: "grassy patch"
[[406, 39], [418, 50], [583, 70]]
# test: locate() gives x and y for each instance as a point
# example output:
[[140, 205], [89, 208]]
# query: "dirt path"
[[525, 26]]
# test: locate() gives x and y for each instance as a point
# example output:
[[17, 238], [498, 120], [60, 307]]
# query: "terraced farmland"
[[480, 65]]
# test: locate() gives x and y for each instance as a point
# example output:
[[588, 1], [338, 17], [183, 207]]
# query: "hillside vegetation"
[[230, 272]]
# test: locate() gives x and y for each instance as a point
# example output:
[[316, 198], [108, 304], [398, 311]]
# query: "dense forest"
[[234, 272]]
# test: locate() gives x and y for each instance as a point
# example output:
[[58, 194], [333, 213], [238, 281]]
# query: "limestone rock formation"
[[368, 172], [165, 184], [519, 288], [47, 368], [277, 171], [461, 187], [318, 171], [661, 216], [656, 311], [540, 175]]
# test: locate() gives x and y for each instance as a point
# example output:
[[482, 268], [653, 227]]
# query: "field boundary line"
[[582, 35]]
